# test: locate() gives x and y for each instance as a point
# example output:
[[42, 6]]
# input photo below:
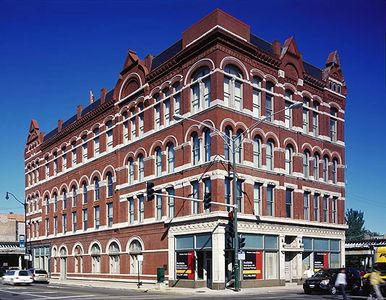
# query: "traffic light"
[[241, 242], [207, 200], [150, 190], [230, 234]]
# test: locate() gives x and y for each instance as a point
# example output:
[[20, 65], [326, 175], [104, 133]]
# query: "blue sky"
[[53, 52]]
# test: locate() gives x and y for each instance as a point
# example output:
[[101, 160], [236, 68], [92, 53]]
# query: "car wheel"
[[333, 290]]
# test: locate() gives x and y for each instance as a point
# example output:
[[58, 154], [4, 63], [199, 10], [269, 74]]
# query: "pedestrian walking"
[[375, 281], [341, 283], [308, 273]]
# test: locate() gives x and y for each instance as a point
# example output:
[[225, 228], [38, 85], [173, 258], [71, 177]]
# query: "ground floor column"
[[218, 258]]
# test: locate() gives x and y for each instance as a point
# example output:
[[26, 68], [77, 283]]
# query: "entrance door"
[[288, 267], [209, 273]]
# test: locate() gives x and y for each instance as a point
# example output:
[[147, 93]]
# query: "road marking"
[[73, 297]]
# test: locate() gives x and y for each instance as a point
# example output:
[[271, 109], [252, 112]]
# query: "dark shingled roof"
[[261, 44], [167, 54], [312, 70], [85, 111]]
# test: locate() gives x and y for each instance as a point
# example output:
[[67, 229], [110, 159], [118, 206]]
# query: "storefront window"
[[335, 245], [307, 244], [321, 245], [203, 241], [271, 265], [253, 241], [334, 260], [184, 242], [270, 242]]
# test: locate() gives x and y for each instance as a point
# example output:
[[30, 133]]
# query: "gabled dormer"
[[35, 137], [333, 75], [291, 60]]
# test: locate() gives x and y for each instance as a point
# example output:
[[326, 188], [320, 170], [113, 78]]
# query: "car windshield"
[[23, 273], [41, 272]]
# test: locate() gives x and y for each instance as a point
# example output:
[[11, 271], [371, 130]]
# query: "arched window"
[[110, 188], [78, 253], [207, 142], [64, 195], [114, 258], [233, 87], [325, 168], [84, 191], [239, 146], [96, 189], [334, 171], [131, 170], [288, 160], [55, 202], [135, 249], [170, 157], [74, 196], [257, 152], [306, 166], [158, 161], [141, 168], [333, 124], [227, 142], [47, 202], [288, 112], [316, 167], [269, 155], [269, 101], [109, 135], [96, 259], [306, 113], [195, 148], [200, 89]]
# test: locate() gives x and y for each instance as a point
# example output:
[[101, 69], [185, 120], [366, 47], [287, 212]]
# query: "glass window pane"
[[334, 260], [321, 245], [253, 241], [203, 241], [307, 243], [270, 242], [184, 242], [335, 245]]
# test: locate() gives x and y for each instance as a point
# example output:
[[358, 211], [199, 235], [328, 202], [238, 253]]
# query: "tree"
[[355, 222]]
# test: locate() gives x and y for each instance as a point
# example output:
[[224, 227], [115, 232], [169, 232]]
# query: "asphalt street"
[[52, 291]]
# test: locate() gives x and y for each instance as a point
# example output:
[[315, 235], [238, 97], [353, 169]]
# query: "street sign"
[[241, 255], [21, 241]]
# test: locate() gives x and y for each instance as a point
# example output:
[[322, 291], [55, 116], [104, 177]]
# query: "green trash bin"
[[160, 275]]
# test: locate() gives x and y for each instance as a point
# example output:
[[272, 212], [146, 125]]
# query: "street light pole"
[[25, 226], [234, 148]]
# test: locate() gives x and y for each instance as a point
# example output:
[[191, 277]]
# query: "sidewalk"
[[167, 289]]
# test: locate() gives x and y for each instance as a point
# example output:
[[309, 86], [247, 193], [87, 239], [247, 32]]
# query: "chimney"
[[91, 97], [60, 125], [276, 47], [103, 95], [149, 61], [79, 109]]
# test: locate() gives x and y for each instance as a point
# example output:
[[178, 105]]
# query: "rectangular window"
[[74, 222], [325, 209], [64, 160], [316, 207], [141, 124], [109, 136], [56, 168], [109, 214], [159, 205], [133, 129], [207, 188], [96, 217], [141, 207], [177, 103], [170, 192], [257, 198], [157, 117], [268, 107], [73, 154], [239, 195], [195, 195], [47, 227], [315, 124], [305, 120], [334, 210], [333, 126], [64, 223], [85, 219], [195, 97], [227, 91], [167, 112], [288, 115], [288, 203], [55, 225], [270, 200], [238, 94], [131, 210], [125, 128], [96, 142], [271, 265], [256, 102], [84, 149], [306, 205]]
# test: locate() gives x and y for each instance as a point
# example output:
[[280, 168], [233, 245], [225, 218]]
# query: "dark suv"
[[324, 281]]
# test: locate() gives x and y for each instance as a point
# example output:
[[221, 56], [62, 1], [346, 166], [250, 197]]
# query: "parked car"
[[17, 277], [39, 275], [324, 281]]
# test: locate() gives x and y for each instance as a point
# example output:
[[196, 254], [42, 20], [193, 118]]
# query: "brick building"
[[86, 180]]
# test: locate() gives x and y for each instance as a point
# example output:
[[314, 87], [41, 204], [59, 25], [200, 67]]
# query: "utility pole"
[[236, 208]]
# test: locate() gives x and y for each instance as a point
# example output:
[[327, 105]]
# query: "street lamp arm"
[[7, 197]]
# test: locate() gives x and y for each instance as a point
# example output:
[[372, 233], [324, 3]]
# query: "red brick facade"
[[213, 44]]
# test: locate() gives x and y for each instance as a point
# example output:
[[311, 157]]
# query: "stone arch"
[[131, 83], [292, 142], [92, 244], [306, 146], [258, 73], [113, 240], [109, 168], [94, 174], [289, 86], [205, 62], [133, 239], [273, 137], [139, 151], [190, 131], [229, 60], [177, 78], [273, 79], [170, 139], [74, 247], [154, 146]]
